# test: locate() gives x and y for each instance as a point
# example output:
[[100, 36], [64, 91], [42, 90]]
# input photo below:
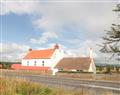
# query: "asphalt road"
[[67, 83]]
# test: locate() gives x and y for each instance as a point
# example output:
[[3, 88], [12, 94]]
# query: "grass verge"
[[10, 86], [15, 86]]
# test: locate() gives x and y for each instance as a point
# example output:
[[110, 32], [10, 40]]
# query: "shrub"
[[108, 69], [117, 69], [100, 68]]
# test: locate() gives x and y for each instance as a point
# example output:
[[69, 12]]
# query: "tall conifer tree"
[[112, 38]]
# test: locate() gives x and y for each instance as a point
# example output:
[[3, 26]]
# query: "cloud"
[[44, 38], [12, 51], [53, 16], [83, 50], [16, 7], [84, 22], [90, 19]]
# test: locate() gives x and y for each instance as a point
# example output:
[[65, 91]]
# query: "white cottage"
[[47, 58], [84, 64], [53, 59]]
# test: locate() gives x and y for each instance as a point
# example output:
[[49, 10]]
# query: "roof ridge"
[[38, 54], [75, 57]]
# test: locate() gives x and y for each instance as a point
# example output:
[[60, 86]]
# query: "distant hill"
[[9, 62], [104, 62]]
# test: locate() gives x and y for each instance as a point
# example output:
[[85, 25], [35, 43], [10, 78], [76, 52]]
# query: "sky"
[[76, 25]]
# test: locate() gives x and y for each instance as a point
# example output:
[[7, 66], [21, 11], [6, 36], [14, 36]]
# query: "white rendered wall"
[[39, 62], [55, 58], [92, 67]]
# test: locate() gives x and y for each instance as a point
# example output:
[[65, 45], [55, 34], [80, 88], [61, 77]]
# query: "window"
[[42, 63], [61, 69], [35, 63], [27, 63]]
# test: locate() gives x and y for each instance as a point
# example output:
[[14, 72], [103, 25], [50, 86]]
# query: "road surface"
[[66, 82]]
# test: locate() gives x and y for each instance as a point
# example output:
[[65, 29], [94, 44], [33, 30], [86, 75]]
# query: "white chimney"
[[91, 53]]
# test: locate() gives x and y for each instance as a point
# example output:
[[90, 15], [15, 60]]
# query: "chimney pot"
[[30, 49], [56, 46]]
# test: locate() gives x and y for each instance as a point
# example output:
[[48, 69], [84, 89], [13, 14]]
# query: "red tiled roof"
[[39, 54], [77, 63], [19, 67]]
